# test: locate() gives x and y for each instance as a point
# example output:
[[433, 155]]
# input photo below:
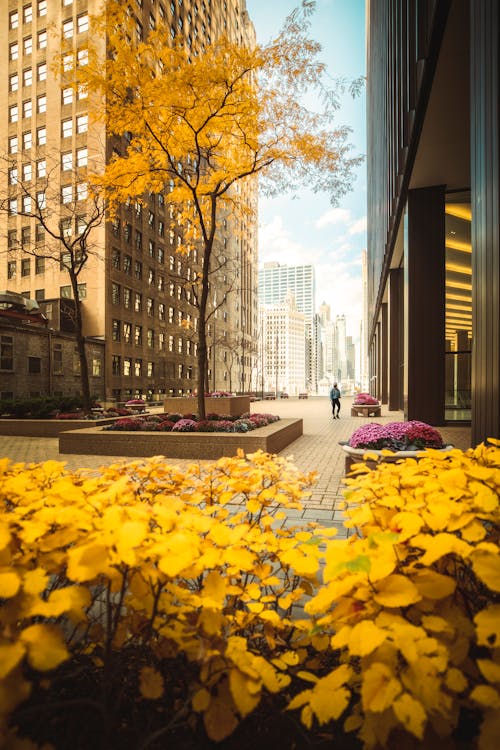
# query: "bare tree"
[[63, 216]]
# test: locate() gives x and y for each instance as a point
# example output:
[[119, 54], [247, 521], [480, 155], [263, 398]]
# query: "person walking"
[[335, 399]]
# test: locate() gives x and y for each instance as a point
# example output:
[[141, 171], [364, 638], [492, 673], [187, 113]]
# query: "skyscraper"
[[134, 287], [275, 281]]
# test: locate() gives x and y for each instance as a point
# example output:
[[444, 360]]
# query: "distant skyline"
[[307, 229]]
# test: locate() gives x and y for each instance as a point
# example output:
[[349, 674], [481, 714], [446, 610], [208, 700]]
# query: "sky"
[[307, 229]]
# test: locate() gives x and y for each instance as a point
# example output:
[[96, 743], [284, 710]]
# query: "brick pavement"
[[317, 450]]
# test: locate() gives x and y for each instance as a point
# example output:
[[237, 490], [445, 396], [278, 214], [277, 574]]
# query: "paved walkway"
[[317, 450]]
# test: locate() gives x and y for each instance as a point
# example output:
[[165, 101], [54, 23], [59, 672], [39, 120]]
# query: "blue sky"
[[307, 229]]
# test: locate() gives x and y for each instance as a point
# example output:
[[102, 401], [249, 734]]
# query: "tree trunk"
[[80, 343]]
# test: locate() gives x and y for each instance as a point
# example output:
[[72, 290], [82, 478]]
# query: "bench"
[[365, 410]]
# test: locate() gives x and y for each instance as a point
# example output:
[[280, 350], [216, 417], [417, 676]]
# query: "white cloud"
[[277, 244], [334, 216], [358, 226]]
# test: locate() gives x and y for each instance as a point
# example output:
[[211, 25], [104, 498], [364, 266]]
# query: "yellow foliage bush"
[[182, 590]]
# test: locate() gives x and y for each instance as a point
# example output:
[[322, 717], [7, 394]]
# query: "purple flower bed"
[[189, 423], [396, 436], [364, 399]]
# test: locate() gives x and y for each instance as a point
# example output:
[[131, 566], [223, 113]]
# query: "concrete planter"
[[203, 445], [233, 406], [49, 428]]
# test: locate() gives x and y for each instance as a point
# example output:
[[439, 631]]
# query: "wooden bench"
[[365, 410]]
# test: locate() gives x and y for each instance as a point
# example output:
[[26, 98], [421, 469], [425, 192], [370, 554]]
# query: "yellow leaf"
[[411, 714], [406, 524], [488, 626], [10, 656], [219, 720], [440, 545], [379, 688], [486, 696], [151, 683], [307, 676], [244, 691], [87, 562], [490, 669], [214, 589], [46, 649], [487, 567], [456, 680], [396, 591], [473, 532], [35, 581], [211, 621], [353, 722], [365, 637], [129, 535], [9, 584], [5, 536], [433, 585], [200, 700], [71, 600]]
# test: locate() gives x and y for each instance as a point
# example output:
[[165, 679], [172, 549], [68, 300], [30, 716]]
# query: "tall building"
[[134, 287], [275, 281], [434, 209], [282, 354]]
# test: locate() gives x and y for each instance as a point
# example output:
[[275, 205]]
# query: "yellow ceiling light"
[[459, 269], [459, 297], [457, 285], [451, 306], [464, 247], [460, 210]]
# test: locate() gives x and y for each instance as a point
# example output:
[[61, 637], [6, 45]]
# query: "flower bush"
[[136, 603], [396, 436], [132, 401], [364, 399], [189, 423], [184, 425]]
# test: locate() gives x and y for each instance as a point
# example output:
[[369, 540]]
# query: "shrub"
[[139, 586], [397, 436]]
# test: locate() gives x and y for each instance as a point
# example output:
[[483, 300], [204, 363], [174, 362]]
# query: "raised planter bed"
[[94, 441], [365, 410], [355, 455], [49, 428], [233, 406]]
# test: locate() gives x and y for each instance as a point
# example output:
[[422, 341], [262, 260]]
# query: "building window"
[[67, 128], [11, 269], [161, 311], [27, 140], [161, 341], [82, 291], [116, 364], [170, 343], [67, 96], [28, 45], [13, 82], [82, 191], [138, 335], [42, 39], [115, 258], [13, 19], [127, 333], [41, 71], [151, 338], [82, 58], [25, 266], [12, 206], [82, 123], [12, 239], [138, 269], [81, 157], [115, 330], [151, 369], [13, 176], [27, 204], [39, 265], [115, 294], [34, 365], [27, 14], [39, 295], [14, 51], [41, 104], [41, 136], [65, 291], [161, 283], [67, 28], [138, 240], [13, 113], [127, 264], [27, 77], [13, 144], [41, 168], [127, 366], [57, 361], [96, 367], [127, 298], [66, 193], [6, 353], [27, 108], [67, 62], [137, 302], [67, 161], [82, 23]]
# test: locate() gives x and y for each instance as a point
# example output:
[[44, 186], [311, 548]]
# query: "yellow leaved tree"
[[199, 125]]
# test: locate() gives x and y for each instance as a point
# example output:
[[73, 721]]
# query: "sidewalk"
[[317, 450]]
